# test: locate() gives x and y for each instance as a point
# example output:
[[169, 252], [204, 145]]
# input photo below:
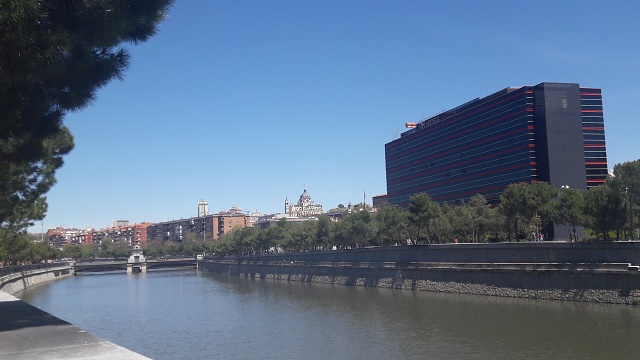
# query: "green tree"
[[543, 195], [87, 251], [422, 211], [155, 248], [481, 214], [113, 249], [496, 224], [518, 205], [301, 237], [323, 235], [392, 225], [604, 210], [264, 241], [245, 240], [275, 236], [341, 235], [362, 228], [280, 234], [461, 221], [24, 183], [191, 244], [220, 246], [442, 228], [54, 56], [570, 208], [71, 251], [12, 246], [38, 252], [627, 180]]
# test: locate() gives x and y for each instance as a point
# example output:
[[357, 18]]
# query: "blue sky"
[[246, 102]]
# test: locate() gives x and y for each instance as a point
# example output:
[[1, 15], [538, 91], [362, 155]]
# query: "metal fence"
[[526, 252], [8, 270]]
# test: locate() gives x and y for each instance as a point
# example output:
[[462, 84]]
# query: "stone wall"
[[16, 279], [608, 283]]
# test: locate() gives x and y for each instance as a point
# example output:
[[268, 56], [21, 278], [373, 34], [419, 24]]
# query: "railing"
[[9, 270], [587, 267], [526, 252]]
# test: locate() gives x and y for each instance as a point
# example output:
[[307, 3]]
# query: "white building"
[[203, 208], [304, 208], [116, 223]]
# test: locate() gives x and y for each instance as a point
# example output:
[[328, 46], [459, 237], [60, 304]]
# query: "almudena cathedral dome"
[[304, 207]]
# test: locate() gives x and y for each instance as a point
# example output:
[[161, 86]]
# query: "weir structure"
[[137, 263]]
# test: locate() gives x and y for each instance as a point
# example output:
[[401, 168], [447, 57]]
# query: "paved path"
[[27, 332]]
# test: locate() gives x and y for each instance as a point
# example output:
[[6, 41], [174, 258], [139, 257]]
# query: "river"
[[190, 314]]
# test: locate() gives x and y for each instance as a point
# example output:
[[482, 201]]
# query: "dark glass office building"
[[551, 132]]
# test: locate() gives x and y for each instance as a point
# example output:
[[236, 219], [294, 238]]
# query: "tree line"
[[525, 210], [607, 212]]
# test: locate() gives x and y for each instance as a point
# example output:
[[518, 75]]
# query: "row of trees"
[[608, 211]]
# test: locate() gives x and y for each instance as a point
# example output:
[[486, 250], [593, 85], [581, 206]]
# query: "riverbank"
[[27, 332], [588, 272], [14, 279]]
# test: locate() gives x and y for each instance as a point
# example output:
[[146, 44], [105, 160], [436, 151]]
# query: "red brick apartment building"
[[131, 234], [203, 227]]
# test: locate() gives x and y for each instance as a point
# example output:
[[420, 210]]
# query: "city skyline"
[[243, 103]]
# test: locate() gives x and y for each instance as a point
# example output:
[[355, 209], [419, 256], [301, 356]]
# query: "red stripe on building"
[[417, 189], [466, 162]]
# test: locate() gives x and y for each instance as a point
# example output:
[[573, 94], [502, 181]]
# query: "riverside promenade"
[[27, 332]]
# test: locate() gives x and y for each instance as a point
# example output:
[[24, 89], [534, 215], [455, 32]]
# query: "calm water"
[[189, 314]]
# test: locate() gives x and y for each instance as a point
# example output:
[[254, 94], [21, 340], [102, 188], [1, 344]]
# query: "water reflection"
[[462, 325], [174, 315]]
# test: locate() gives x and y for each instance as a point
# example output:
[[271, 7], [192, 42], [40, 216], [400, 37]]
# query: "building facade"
[[203, 208], [131, 234], [60, 236], [379, 200], [176, 230], [304, 208], [201, 227], [552, 132]]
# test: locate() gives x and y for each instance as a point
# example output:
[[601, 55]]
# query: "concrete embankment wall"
[[18, 278], [524, 252], [610, 281]]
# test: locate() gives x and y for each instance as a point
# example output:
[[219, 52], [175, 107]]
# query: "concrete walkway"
[[27, 332]]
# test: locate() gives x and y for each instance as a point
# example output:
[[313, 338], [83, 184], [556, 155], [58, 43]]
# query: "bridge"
[[121, 264]]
